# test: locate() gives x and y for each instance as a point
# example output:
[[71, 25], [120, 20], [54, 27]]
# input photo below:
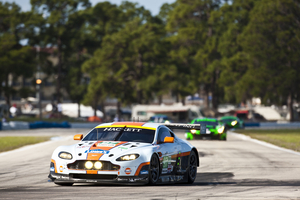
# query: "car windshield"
[[121, 134], [209, 123]]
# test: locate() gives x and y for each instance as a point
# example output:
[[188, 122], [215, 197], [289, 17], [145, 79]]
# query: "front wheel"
[[192, 168], [153, 170]]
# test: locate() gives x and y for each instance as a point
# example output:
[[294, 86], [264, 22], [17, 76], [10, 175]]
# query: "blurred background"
[[98, 61]]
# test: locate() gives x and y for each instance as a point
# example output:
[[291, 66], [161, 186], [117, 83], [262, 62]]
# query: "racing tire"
[[154, 170], [64, 184], [192, 167]]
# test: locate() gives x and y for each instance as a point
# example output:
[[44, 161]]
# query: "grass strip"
[[8, 143], [286, 138]]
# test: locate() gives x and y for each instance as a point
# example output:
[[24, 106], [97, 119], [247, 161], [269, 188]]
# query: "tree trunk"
[[206, 97], [95, 107], [183, 101], [119, 112], [6, 91], [78, 111], [59, 69], [102, 103], [290, 106], [160, 99]]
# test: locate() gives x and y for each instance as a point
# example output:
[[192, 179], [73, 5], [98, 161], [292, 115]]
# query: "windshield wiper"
[[120, 133]]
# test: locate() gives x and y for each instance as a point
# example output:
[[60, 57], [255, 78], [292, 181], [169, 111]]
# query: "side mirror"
[[169, 140], [78, 137]]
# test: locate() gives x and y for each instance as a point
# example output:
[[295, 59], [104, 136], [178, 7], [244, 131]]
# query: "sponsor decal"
[[107, 144], [167, 166], [52, 169], [97, 151], [125, 129], [91, 181], [123, 148], [144, 172], [166, 161], [127, 171], [170, 168], [65, 177], [82, 147]]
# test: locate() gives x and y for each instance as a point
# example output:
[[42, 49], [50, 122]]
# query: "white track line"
[[245, 137]]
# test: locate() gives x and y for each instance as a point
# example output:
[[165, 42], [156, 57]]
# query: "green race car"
[[214, 129], [232, 122]]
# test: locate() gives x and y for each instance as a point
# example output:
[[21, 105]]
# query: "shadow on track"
[[204, 179]]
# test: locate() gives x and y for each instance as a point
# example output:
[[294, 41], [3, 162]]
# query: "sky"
[[152, 5]]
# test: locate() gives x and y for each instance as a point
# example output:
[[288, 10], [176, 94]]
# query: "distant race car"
[[232, 122], [126, 153], [214, 129]]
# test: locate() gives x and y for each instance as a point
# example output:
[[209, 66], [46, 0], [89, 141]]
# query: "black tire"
[[192, 168], [154, 170], [64, 184]]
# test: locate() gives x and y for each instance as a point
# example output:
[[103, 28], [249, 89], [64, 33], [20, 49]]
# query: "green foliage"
[[60, 21], [14, 58], [127, 58], [232, 50]]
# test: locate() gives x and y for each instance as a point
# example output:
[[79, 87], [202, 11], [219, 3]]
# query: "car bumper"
[[98, 178]]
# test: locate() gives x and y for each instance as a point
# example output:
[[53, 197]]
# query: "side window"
[[163, 132]]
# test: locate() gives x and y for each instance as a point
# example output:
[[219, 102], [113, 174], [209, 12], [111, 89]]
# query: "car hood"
[[106, 150]]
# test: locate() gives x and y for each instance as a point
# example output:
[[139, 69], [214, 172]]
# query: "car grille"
[[106, 165], [93, 176]]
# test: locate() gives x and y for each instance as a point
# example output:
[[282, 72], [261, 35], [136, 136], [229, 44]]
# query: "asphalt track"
[[234, 169]]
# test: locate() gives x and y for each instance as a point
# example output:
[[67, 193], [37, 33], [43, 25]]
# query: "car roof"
[[228, 117], [206, 119], [145, 125]]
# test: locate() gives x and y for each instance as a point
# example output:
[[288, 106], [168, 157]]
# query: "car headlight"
[[89, 165], [128, 157], [221, 129], [233, 123], [98, 165], [65, 155], [193, 131]]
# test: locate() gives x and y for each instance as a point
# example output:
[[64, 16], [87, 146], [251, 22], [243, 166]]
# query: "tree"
[[101, 20], [272, 40], [194, 46], [127, 57], [15, 59], [57, 31], [232, 20]]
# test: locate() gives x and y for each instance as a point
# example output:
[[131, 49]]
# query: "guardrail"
[[16, 125], [272, 125]]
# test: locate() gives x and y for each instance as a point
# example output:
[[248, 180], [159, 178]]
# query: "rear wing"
[[186, 127]]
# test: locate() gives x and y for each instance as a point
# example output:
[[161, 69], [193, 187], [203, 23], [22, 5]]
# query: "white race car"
[[127, 153]]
